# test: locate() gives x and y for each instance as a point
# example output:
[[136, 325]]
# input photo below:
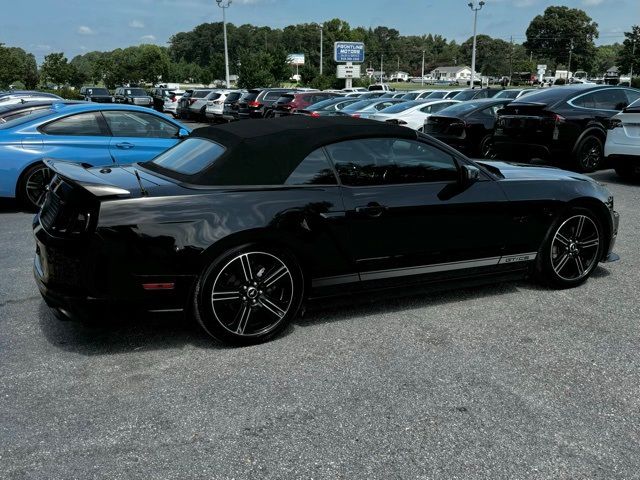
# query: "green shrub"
[[635, 82], [66, 93]]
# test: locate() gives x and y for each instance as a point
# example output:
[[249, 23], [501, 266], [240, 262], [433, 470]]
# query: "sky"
[[78, 26]]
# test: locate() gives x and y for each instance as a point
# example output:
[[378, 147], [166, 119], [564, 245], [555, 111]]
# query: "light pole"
[[321, 27], [422, 78], [224, 4], [472, 6]]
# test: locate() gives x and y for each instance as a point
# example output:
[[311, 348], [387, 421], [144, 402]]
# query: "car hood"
[[517, 171]]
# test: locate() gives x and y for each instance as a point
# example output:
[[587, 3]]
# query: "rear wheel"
[[249, 294], [32, 186], [487, 149], [571, 250], [589, 154]]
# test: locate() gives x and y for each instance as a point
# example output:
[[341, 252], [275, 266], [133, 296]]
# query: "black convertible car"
[[240, 223]]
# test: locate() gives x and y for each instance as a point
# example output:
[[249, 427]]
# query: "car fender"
[[592, 128]]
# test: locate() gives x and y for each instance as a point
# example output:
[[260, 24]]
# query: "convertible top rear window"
[[188, 157]]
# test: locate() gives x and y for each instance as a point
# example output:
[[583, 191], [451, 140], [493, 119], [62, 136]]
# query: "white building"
[[399, 77], [453, 74]]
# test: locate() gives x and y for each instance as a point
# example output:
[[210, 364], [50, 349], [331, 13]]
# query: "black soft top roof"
[[266, 151]]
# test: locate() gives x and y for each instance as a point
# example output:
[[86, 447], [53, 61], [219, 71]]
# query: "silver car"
[[366, 108], [199, 100]]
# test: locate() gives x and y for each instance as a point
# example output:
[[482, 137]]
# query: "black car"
[[258, 102], [160, 95], [96, 94], [231, 105], [240, 223], [476, 94], [467, 126], [182, 110], [134, 96], [566, 124]]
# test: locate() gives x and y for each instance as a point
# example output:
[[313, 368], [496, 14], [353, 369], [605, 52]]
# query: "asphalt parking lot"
[[508, 381]]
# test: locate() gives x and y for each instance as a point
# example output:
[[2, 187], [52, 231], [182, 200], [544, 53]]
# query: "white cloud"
[[84, 30], [136, 24], [148, 38], [592, 3], [43, 47]]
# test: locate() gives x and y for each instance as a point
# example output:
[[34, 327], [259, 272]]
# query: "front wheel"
[[32, 186], [589, 154], [249, 294], [571, 250], [487, 149]]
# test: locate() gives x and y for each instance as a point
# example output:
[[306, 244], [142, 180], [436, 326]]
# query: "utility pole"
[[511, 61], [321, 28], [381, 74], [422, 78], [570, 54], [633, 55], [224, 4], [475, 9]]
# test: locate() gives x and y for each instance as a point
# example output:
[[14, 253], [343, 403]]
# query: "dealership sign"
[[344, 52], [295, 58]]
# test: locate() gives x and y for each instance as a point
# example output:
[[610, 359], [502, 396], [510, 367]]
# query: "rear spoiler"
[[78, 174]]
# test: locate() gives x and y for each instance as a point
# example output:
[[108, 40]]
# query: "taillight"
[[254, 104], [174, 99], [192, 101], [558, 118], [314, 114], [218, 102], [355, 115]]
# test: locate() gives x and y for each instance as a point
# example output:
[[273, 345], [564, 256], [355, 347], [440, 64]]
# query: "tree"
[[492, 55], [606, 57], [16, 65], [261, 68], [630, 53], [55, 69], [563, 32]]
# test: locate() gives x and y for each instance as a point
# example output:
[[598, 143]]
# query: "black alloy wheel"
[[249, 295], [32, 187], [572, 250], [589, 154], [487, 149]]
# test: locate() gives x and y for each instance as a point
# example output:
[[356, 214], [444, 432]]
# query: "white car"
[[411, 114], [24, 97], [354, 90], [622, 147], [215, 104], [171, 100]]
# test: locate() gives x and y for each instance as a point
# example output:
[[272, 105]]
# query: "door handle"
[[373, 209], [125, 145]]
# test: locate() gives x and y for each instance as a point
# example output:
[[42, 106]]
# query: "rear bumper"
[[623, 159], [508, 149]]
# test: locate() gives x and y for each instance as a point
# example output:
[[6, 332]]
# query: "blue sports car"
[[92, 134]]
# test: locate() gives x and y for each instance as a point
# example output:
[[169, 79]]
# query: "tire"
[[571, 249], [249, 294], [589, 154], [31, 186], [486, 149]]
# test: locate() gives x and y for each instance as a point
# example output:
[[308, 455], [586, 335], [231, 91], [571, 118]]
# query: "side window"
[[491, 111], [383, 161], [383, 105], [632, 96], [439, 106], [138, 124], [610, 99], [313, 170], [82, 124], [427, 109], [585, 101]]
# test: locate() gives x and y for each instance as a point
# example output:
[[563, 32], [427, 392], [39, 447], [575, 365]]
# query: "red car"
[[288, 103]]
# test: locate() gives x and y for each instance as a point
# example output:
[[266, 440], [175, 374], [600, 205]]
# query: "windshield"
[[135, 91], [440, 94], [400, 107], [410, 96], [200, 93], [27, 118], [189, 156], [459, 109], [508, 94], [354, 107], [325, 104], [466, 95]]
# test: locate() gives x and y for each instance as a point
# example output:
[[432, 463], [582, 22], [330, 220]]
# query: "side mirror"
[[469, 174], [183, 133]]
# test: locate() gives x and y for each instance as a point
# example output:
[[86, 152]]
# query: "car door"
[[138, 136], [406, 207], [82, 137]]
